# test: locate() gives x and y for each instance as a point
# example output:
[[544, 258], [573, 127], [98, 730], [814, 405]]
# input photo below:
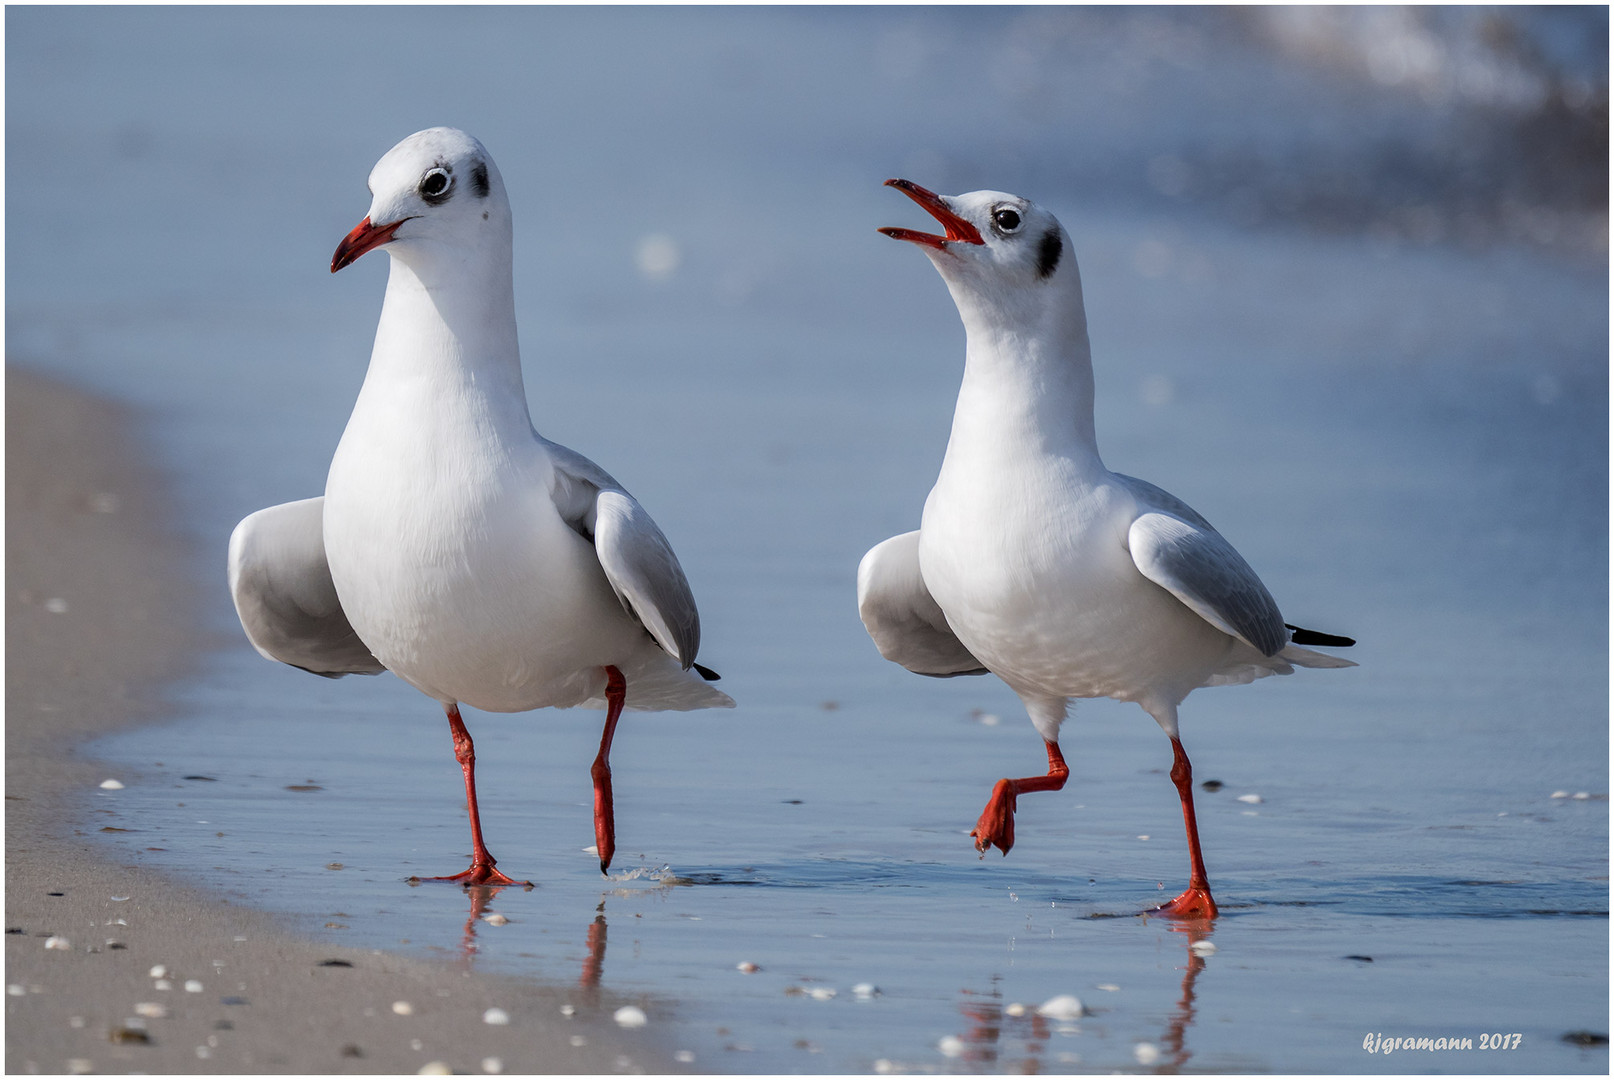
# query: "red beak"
[[364, 237], [958, 230]]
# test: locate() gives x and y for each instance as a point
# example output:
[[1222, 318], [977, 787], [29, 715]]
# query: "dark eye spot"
[[1006, 219], [1048, 252], [436, 185]]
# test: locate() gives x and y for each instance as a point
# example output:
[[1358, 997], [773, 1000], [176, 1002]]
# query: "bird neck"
[[448, 331], [1028, 387]]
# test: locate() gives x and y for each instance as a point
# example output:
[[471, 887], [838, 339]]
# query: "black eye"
[[435, 184], [1006, 219]]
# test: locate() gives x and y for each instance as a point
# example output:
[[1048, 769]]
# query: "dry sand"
[[100, 598]]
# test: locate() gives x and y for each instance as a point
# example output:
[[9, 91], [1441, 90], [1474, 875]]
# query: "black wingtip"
[[706, 673], [1300, 636]]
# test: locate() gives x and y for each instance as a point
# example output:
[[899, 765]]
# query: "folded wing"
[[283, 593], [904, 620]]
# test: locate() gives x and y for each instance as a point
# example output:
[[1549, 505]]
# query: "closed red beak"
[[364, 237], [957, 228]]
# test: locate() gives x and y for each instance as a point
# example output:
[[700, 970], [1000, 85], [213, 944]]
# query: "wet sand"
[[101, 601]]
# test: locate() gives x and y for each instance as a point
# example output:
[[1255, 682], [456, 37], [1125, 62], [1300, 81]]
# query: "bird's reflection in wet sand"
[[481, 896], [594, 962], [988, 1041], [1174, 1043]]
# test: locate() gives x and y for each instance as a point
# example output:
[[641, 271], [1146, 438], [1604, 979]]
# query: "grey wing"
[[1178, 550], [904, 620], [283, 592], [635, 555]]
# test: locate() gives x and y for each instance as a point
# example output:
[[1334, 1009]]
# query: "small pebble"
[[1560, 794], [193, 986], [496, 1017], [568, 1010], [630, 1016], [1146, 1053], [1014, 1008], [495, 919], [884, 1066], [1145, 836], [128, 1034], [1063, 1007], [80, 1065], [15, 989], [1202, 948], [1250, 798], [492, 1065], [56, 941], [75, 1021], [162, 984], [1581, 795], [403, 1008], [416, 1044], [950, 1046], [154, 1010], [203, 1052], [684, 1057], [578, 1040], [747, 966], [157, 971], [117, 899], [435, 1068]]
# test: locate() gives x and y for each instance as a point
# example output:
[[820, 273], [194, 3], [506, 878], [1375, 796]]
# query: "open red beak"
[[364, 237], [957, 228]]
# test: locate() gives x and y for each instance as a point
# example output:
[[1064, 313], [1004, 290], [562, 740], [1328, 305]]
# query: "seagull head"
[[437, 190], [1003, 257]]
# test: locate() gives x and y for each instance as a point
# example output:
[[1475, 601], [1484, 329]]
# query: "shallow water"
[[1408, 442]]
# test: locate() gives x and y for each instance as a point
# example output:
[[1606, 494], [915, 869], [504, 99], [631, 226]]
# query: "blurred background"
[[1347, 281]]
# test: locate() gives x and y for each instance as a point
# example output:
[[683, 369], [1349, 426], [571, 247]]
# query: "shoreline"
[[100, 614]]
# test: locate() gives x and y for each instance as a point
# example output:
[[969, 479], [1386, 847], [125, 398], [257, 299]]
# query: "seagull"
[[455, 546], [1035, 563]]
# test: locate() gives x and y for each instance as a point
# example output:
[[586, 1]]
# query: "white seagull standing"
[[1036, 563], [455, 546]]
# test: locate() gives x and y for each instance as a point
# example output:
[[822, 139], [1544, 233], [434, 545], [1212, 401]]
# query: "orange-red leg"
[[616, 692], [1195, 902], [483, 869], [996, 824]]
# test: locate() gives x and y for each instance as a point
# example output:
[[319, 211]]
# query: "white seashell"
[[111, 785], [1146, 1053], [1250, 798], [403, 1008], [496, 1016], [1063, 1007], [684, 1057], [56, 941], [568, 1010], [495, 919], [578, 1040], [950, 1046], [436, 1068], [1202, 948], [630, 1016], [1014, 1008], [153, 1010], [492, 1065], [864, 991], [1110, 987], [162, 984], [193, 986]]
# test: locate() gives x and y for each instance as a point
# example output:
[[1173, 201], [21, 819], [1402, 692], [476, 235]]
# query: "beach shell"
[[630, 1016]]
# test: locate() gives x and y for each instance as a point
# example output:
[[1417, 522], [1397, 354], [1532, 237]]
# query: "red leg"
[[996, 825], [483, 870], [1195, 902], [616, 692]]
